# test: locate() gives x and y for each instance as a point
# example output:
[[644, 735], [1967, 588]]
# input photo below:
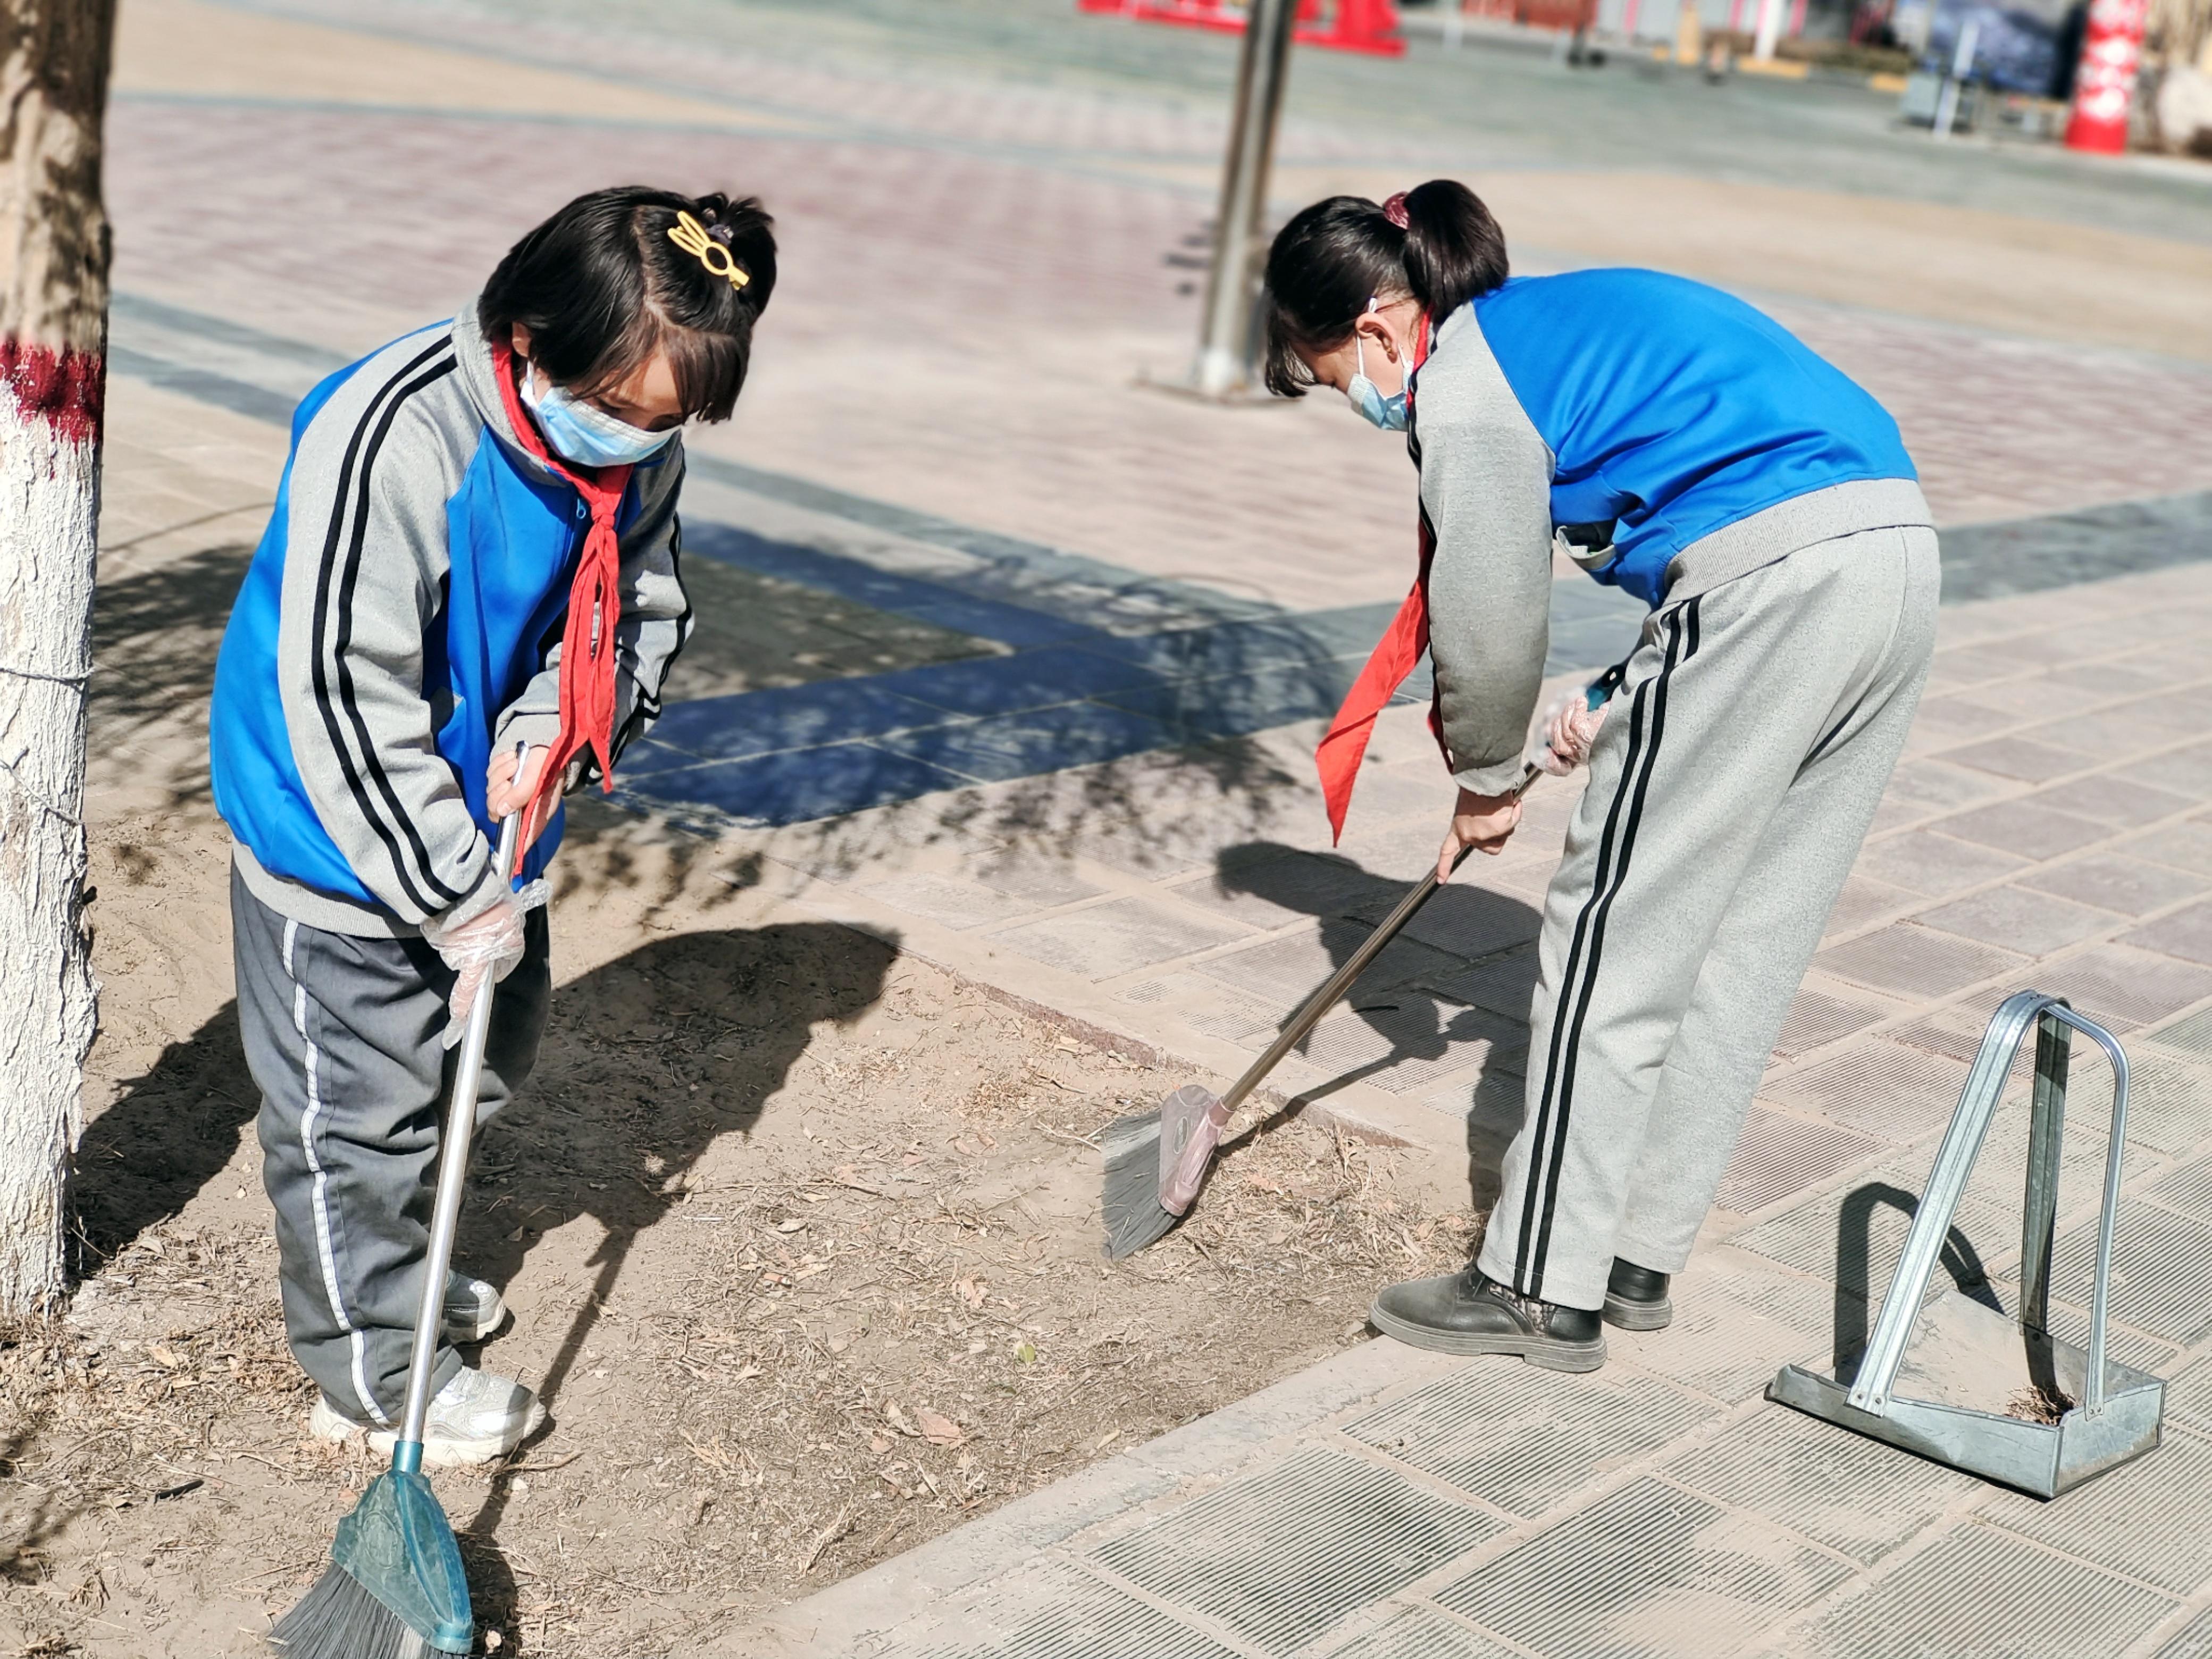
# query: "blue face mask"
[[585, 434], [1367, 398]]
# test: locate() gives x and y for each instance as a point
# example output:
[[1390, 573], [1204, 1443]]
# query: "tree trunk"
[[53, 309]]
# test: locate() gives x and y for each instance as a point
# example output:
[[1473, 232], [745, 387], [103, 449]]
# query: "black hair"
[[1334, 256], [600, 287]]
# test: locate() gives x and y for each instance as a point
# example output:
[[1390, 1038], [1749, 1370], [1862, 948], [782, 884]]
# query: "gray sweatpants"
[[1729, 790], [342, 1037]]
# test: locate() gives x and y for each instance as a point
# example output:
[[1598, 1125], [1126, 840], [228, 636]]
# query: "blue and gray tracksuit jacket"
[[402, 620], [1666, 435]]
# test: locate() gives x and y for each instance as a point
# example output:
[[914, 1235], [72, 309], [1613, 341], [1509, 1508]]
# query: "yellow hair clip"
[[691, 236]]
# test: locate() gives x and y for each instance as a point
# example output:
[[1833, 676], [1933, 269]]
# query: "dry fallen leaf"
[[971, 1292], [792, 1225], [877, 1444], [938, 1430], [897, 1418], [163, 1355]]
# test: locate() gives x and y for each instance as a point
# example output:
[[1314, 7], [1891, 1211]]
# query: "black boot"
[[1468, 1313], [1636, 1298]]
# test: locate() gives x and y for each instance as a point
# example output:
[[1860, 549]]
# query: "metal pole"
[[1226, 328], [1770, 31]]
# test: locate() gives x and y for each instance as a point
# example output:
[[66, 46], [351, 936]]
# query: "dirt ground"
[[801, 1238]]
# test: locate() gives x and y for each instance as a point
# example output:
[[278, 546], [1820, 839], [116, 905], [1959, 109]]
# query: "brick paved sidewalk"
[[2052, 828]]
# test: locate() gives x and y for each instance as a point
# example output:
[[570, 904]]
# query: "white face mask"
[[1366, 397], [584, 432]]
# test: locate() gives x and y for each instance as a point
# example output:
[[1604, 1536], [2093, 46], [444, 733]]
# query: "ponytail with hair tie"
[[1436, 244]]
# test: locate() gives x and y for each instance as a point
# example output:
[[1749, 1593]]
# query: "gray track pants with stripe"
[[1729, 790], [342, 1035]]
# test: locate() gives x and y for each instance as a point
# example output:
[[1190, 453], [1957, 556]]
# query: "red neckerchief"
[[588, 637], [1397, 655]]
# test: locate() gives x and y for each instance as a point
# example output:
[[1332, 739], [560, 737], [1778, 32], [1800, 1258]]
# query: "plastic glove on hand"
[[482, 951], [1571, 729]]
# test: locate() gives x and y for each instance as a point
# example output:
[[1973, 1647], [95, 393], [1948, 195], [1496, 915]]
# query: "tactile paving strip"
[[1980, 1591], [1837, 1488], [2121, 987], [2145, 1519], [2194, 1642], [1281, 1556], [1811, 1236], [2159, 1267], [1778, 1155], [1524, 1438], [1647, 1572], [2188, 1190], [2169, 1101], [1419, 1632], [1059, 1612], [1879, 1087], [1908, 960], [1217, 1010]]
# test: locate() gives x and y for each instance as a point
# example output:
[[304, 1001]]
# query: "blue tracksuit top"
[[401, 617], [1676, 409]]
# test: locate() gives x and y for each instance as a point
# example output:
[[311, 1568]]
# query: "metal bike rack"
[[1951, 1404]]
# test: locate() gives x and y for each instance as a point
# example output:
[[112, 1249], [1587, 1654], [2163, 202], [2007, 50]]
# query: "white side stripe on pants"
[[328, 1255]]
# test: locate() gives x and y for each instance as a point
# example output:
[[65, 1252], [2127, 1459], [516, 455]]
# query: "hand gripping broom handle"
[[452, 1176], [1322, 1001]]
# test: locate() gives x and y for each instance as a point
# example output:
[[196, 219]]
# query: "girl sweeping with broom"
[[474, 550], [1675, 443]]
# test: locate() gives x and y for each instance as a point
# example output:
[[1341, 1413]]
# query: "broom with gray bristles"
[[395, 1589], [1157, 1161]]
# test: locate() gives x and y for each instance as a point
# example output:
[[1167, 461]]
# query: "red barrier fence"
[[1365, 26]]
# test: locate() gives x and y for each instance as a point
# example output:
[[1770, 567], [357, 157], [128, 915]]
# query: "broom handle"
[[1339, 982], [452, 1176]]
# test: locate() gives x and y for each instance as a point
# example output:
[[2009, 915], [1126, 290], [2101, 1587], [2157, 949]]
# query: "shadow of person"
[[162, 1138], [1452, 991], [647, 1062]]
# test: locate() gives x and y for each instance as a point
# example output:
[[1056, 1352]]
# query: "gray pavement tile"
[[2191, 1036], [1271, 892], [1280, 1556], [1465, 919], [946, 900], [2121, 988], [1956, 1031], [1878, 1087], [2017, 919], [1114, 938], [1505, 985], [1983, 663], [1850, 1235], [2170, 1095], [2188, 771], [1288, 969], [1864, 900], [2188, 1190], [1979, 1591], [1524, 1439], [1492, 1104], [1924, 862], [1418, 1632], [1646, 1572], [2185, 933], [1402, 1040], [1939, 783], [2043, 696], [1734, 1326], [2110, 801], [2035, 832], [2144, 1519], [2129, 886], [2194, 1642], [2189, 845], [1778, 1155], [1218, 1010], [1908, 960], [1039, 881], [2023, 759], [2109, 681], [1056, 1611], [1817, 1017], [1854, 1494], [2189, 1394], [2159, 1282], [2112, 734]]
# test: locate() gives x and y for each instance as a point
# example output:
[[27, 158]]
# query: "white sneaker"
[[473, 1309], [474, 1419]]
